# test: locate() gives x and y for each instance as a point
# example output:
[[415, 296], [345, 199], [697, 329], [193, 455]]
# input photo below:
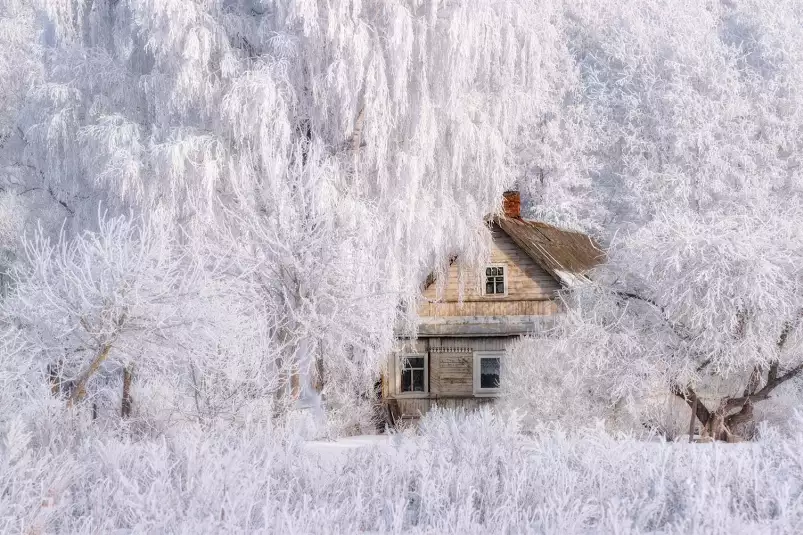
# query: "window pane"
[[414, 362], [487, 272], [489, 372], [418, 380], [500, 287], [407, 381], [501, 272], [489, 288]]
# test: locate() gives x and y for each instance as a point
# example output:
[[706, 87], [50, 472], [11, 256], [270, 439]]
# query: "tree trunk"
[[317, 383], [79, 390], [54, 376], [693, 420], [713, 428], [742, 423], [718, 424], [128, 375], [721, 427]]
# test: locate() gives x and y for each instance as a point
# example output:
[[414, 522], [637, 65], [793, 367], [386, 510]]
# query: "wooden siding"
[[490, 307], [483, 326], [451, 373], [451, 367], [412, 408], [529, 287]]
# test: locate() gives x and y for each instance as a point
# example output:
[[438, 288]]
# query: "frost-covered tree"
[[20, 68], [411, 110], [335, 149], [695, 113], [94, 312]]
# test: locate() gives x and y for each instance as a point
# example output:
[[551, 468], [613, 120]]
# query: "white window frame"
[[505, 280], [478, 356], [399, 359]]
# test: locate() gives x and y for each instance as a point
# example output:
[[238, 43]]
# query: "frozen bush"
[[463, 473]]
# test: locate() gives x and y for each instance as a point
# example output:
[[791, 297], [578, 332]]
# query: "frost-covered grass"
[[462, 474]]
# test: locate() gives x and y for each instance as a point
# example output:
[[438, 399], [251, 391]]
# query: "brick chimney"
[[511, 204]]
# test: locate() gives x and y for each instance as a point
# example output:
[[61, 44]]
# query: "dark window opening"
[[490, 369], [413, 374]]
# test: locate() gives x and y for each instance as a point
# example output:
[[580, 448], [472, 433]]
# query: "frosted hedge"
[[462, 474]]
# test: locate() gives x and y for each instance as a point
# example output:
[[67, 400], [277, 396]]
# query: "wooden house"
[[457, 358]]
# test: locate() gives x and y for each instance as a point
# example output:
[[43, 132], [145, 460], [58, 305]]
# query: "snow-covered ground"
[[339, 448]]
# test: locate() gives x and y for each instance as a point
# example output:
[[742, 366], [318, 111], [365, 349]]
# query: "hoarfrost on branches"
[[215, 212], [695, 113], [307, 165], [295, 137], [469, 472]]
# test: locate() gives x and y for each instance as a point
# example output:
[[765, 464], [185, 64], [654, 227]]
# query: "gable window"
[[487, 372], [413, 374], [495, 280]]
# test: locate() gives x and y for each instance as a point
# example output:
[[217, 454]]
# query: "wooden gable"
[[530, 289]]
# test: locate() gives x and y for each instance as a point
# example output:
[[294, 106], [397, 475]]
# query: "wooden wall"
[[490, 307], [529, 290], [411, 408], [451, 373]]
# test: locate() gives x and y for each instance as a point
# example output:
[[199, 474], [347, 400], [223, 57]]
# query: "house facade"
[[457, 359]]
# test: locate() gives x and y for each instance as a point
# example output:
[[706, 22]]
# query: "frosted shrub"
[[553, 383], [464, 473], [544, 386]]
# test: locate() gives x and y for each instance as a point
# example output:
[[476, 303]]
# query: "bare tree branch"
[[764, 393], [753, 382], [356, 135], [690, 396], [79, 389], [772, 374]]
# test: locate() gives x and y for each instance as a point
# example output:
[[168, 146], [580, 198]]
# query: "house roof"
[[564, 254]]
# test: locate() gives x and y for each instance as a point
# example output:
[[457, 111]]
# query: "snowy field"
[[461, 474]]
